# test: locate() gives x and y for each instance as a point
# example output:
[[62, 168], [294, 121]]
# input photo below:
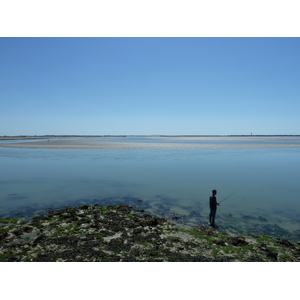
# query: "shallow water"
[[169, 181]]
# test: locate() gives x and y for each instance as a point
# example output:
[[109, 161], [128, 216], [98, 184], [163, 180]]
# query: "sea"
[[260, 185]]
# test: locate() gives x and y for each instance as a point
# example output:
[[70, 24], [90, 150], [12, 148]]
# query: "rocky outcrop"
[[122, 233]]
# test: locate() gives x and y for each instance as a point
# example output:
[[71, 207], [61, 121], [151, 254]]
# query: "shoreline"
[[158, 146], [191, 136], [172, 142]]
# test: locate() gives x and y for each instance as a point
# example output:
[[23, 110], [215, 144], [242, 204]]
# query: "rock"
[[40, 238], [285, 243], [124, 208], [262, 219], [115, 233], [237, 241], [153, 222], [248, 218], [3, 235], [272, 255], [220, 242]]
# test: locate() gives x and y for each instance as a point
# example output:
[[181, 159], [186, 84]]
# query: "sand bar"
[[183, 142]]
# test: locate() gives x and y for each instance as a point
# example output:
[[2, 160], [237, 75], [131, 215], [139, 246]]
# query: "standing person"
[[213, 207]]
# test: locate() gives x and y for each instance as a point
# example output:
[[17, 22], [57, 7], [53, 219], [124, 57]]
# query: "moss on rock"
[[97, 233]]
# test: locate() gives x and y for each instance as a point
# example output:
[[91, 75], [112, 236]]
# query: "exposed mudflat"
[[161, 142]]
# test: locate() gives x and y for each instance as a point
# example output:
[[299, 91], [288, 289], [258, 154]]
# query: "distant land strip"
[[31, 137], [153, 142]]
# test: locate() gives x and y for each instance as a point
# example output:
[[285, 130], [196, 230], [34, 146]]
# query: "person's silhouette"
[[213, 208]]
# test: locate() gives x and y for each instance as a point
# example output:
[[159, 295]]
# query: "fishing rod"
[[227, 197]]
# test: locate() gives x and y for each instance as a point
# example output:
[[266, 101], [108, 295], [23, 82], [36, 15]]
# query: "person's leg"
[[213, 215], [210, 217]]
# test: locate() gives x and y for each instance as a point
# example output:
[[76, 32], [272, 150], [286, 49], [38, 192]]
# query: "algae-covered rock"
[[95, 233]]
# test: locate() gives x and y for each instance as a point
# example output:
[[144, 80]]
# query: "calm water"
[[169, 181]]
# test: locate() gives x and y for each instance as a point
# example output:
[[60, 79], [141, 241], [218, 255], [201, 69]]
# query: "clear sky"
[[169, 86]]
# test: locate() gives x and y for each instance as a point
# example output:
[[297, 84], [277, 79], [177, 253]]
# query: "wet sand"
[[178, 142]]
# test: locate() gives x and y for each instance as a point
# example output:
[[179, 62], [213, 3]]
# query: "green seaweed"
[[145, 244], [10, 220], [4, 257], [174, 239], [284, 257], [100, 237], [66, 239], [197, 234]]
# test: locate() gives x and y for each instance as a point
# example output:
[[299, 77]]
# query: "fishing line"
[[227, 197]]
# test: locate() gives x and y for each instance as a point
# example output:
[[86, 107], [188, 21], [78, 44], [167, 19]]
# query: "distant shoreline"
[[31, 137], [153, 142]]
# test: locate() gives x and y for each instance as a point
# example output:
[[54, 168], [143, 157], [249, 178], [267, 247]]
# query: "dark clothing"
[[213, 209], [212, 216], [213, 202]]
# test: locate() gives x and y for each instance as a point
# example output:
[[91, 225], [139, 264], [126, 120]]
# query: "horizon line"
[[148, 135]]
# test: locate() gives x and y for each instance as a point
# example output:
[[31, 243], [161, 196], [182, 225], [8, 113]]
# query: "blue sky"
[[149, 86]]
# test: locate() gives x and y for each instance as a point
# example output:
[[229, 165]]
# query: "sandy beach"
[[178, 142]]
